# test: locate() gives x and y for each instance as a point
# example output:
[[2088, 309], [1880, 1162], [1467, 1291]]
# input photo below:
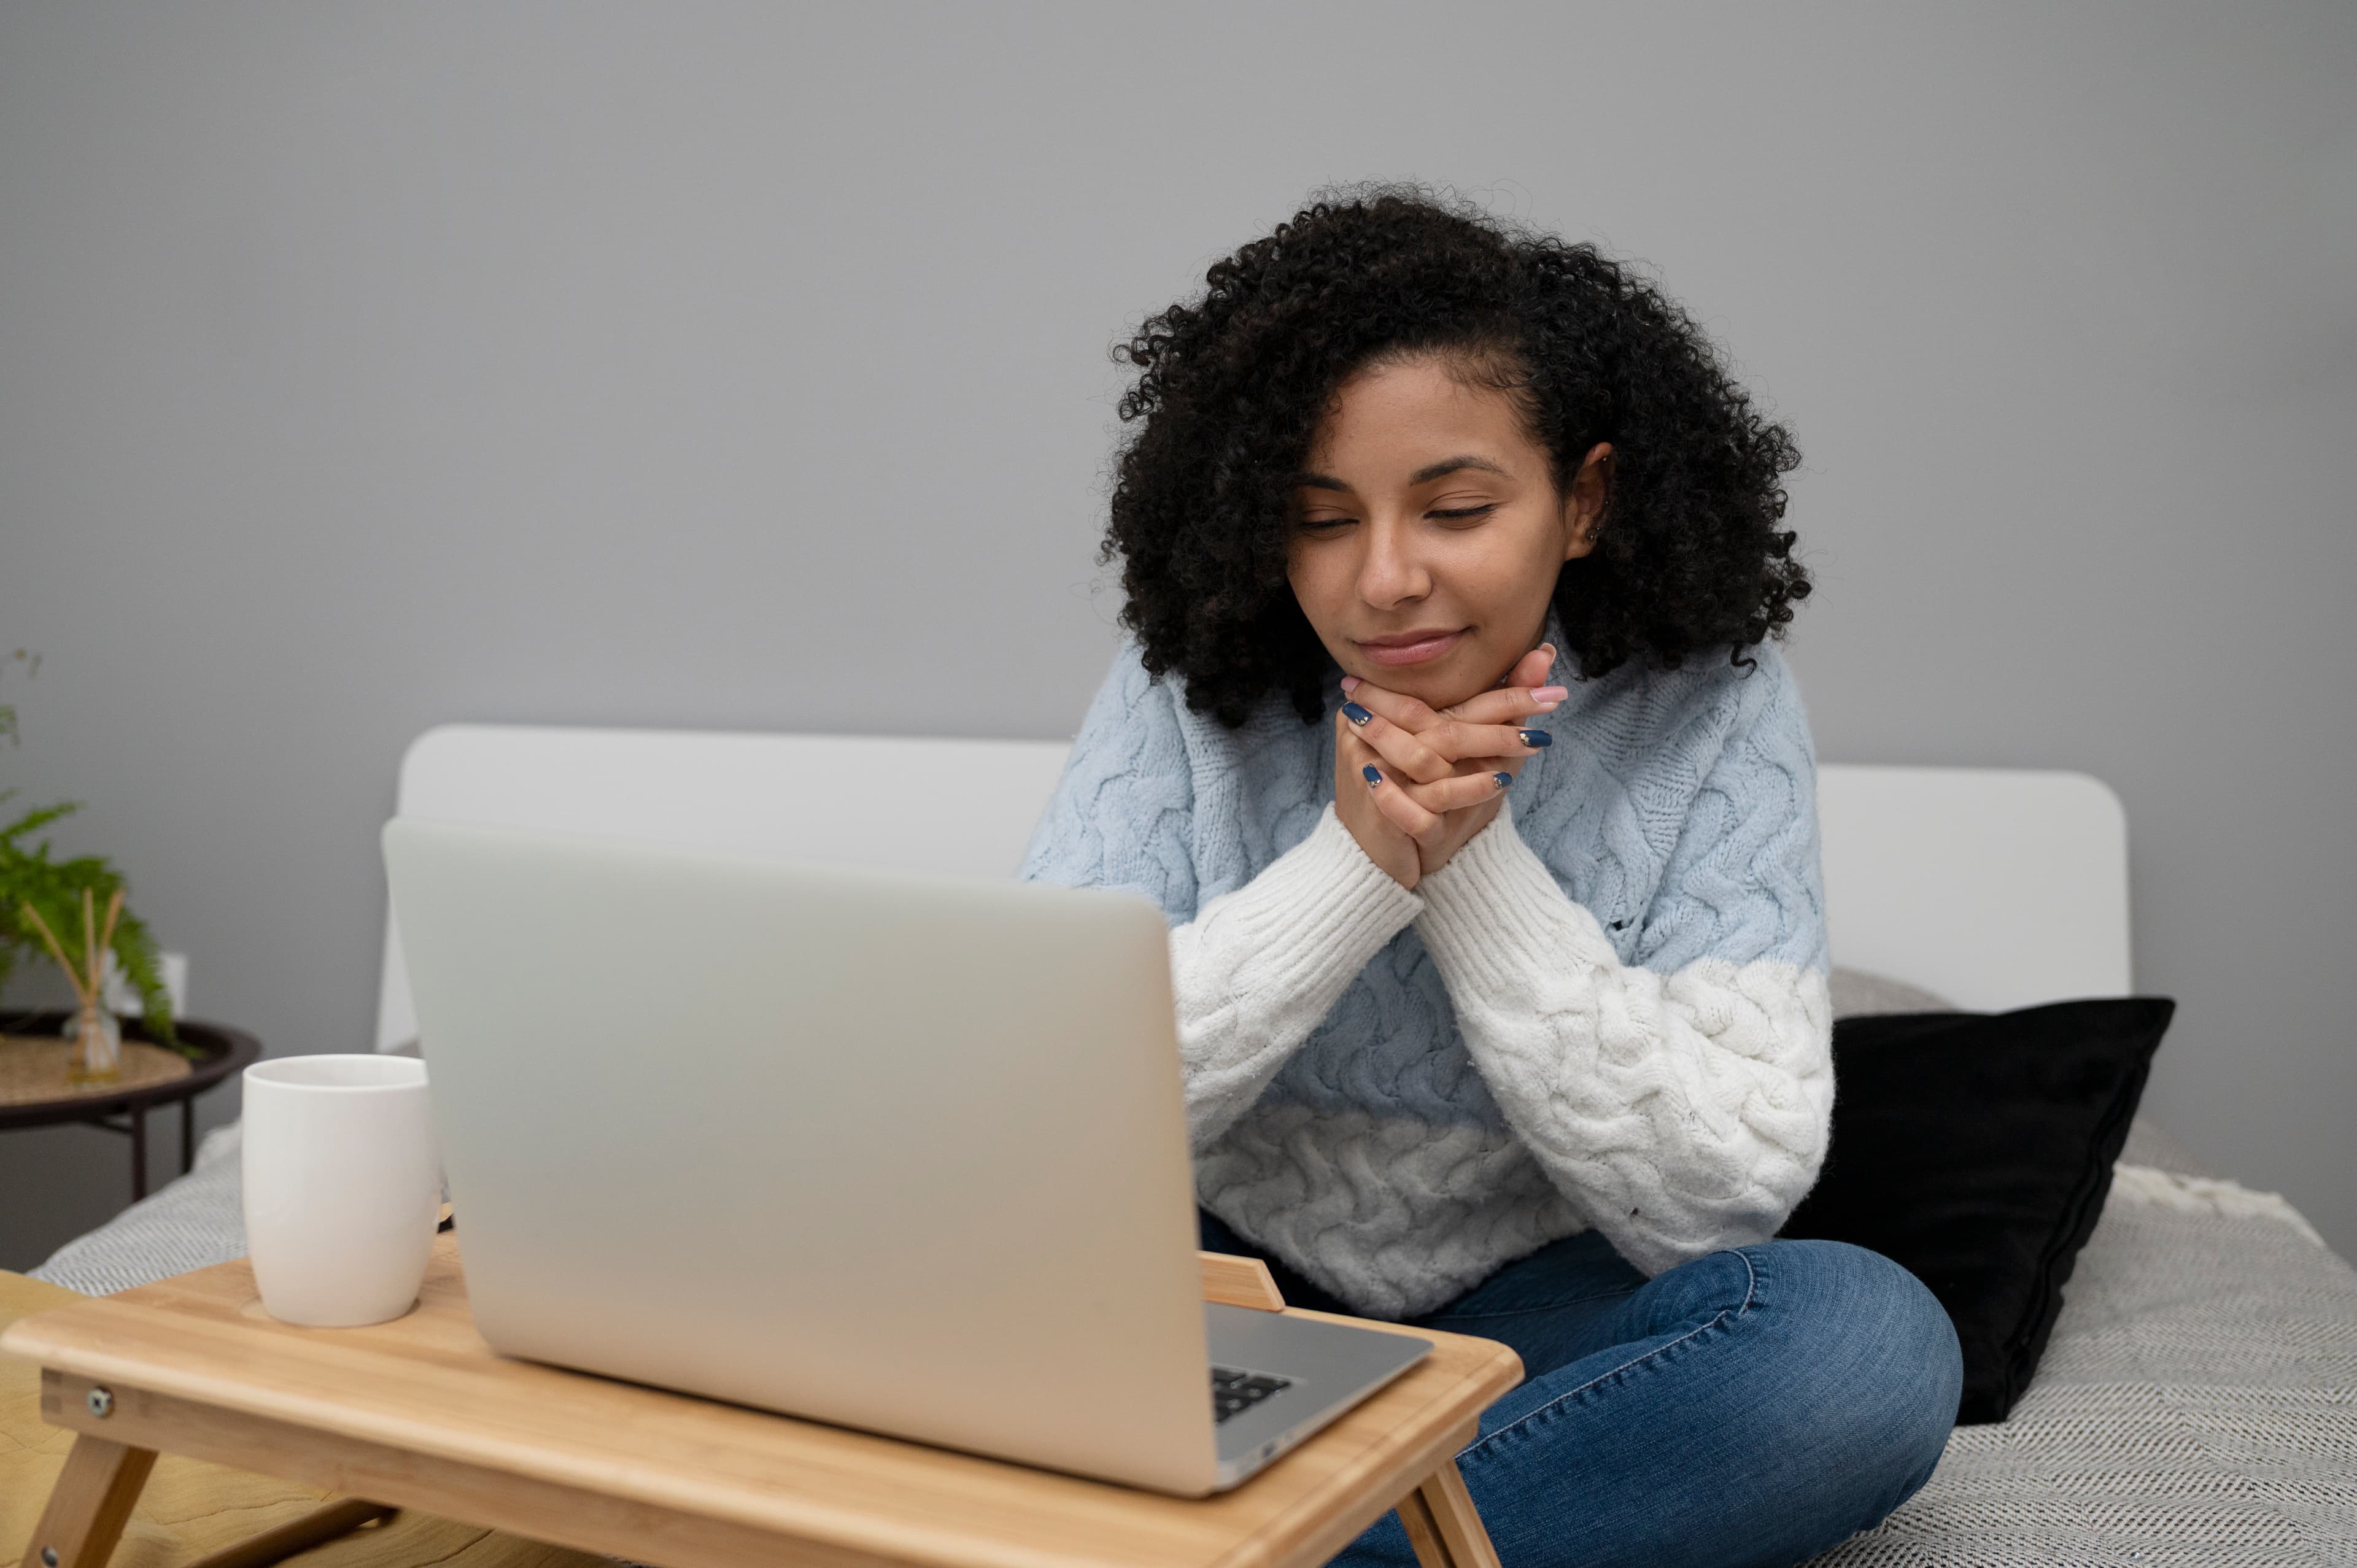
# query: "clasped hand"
[[1414, 783]]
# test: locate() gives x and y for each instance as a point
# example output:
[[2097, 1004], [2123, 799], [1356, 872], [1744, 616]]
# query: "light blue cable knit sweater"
[[1608, 1009]]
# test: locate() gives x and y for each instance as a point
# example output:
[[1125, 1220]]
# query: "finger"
[[1401, 710], [1351, 755], [1356, 757], [1513, 703], [1402, 749], [1482, 766], [1451, 736], [1456, 739], [1530, 671], [1407, 713], [1455, 794], [1531, 668], [1392, 799], [1486, 708]]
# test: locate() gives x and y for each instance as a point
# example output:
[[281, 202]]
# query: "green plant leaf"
[[28, 877]]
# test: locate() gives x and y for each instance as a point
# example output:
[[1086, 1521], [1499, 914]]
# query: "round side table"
[[34, 1093]]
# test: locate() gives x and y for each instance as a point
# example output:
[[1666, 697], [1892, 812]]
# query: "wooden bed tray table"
[[420, 1412]]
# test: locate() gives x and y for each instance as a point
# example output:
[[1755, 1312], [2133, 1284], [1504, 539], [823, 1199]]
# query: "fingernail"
[[1549, 693], [1349, 683], [1535, 737], [1355, 713], [1373, 776], [1503, 779]]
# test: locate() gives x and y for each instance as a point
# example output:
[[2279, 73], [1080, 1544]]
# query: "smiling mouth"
[[1411, 646]]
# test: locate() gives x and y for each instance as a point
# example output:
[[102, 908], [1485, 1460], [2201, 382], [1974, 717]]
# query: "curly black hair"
[[1231, 386]]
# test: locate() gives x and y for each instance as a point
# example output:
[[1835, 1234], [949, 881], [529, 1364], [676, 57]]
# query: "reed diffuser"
[[32, 882], [52, 908], [98, 1040]]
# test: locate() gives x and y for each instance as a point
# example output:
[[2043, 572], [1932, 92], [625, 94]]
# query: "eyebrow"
[[1423, 475]]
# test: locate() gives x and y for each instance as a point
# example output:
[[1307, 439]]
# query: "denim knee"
[[1716, 1284], [1904, 1370]]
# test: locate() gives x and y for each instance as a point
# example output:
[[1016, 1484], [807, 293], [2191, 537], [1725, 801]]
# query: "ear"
[[1583, 506]]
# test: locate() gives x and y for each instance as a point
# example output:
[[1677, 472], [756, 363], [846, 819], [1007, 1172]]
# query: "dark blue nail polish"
[[1536, 737], [1373, 775], [1503, 779], [1355, 713]]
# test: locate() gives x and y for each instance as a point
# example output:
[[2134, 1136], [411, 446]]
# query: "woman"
[[1423, 516]]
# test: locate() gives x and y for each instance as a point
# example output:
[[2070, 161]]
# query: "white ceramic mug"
[[343, 1186]]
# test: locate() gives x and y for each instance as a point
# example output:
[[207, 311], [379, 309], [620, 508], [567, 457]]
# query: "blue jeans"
[[1752, 1406]]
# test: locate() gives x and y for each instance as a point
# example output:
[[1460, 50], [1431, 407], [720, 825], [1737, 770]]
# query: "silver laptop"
[[902, 1152]]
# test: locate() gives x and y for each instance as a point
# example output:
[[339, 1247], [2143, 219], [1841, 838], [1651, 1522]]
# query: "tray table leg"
[[323, 1523], [90, 1505], [1443, 1525]]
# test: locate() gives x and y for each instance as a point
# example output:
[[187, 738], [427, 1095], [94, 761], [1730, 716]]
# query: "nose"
[[1392, 573]]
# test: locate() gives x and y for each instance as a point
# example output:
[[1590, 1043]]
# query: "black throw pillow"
[[1977, 1149]]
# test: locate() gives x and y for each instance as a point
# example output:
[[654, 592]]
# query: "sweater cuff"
[[1315, 916], [1494, 914]]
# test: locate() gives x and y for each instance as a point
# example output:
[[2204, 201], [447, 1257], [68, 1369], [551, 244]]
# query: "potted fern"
[[72, 911]]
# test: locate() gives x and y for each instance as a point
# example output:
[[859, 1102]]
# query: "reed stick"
[[105, 941], [57, 950], [90, 942]]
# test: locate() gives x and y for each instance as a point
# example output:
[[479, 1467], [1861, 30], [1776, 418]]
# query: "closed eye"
[[1461, 513]]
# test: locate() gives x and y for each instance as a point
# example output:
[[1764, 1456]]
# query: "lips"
[[1411, 647]]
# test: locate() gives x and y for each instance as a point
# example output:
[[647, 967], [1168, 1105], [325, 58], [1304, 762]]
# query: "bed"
[[2198, 1402]]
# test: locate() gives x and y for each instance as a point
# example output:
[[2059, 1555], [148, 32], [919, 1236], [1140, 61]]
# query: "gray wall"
[[363, 367]]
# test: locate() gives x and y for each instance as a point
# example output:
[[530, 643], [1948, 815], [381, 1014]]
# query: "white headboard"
[[1994, 888], [963, 806]]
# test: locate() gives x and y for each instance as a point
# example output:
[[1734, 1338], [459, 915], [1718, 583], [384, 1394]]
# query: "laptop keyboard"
[[1234, 1391]]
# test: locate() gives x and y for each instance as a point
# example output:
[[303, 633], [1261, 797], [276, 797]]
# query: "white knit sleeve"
[[1678, 1113], [1261, 965]]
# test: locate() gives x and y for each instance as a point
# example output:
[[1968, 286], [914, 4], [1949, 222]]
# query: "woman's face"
[[1428, 531]]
